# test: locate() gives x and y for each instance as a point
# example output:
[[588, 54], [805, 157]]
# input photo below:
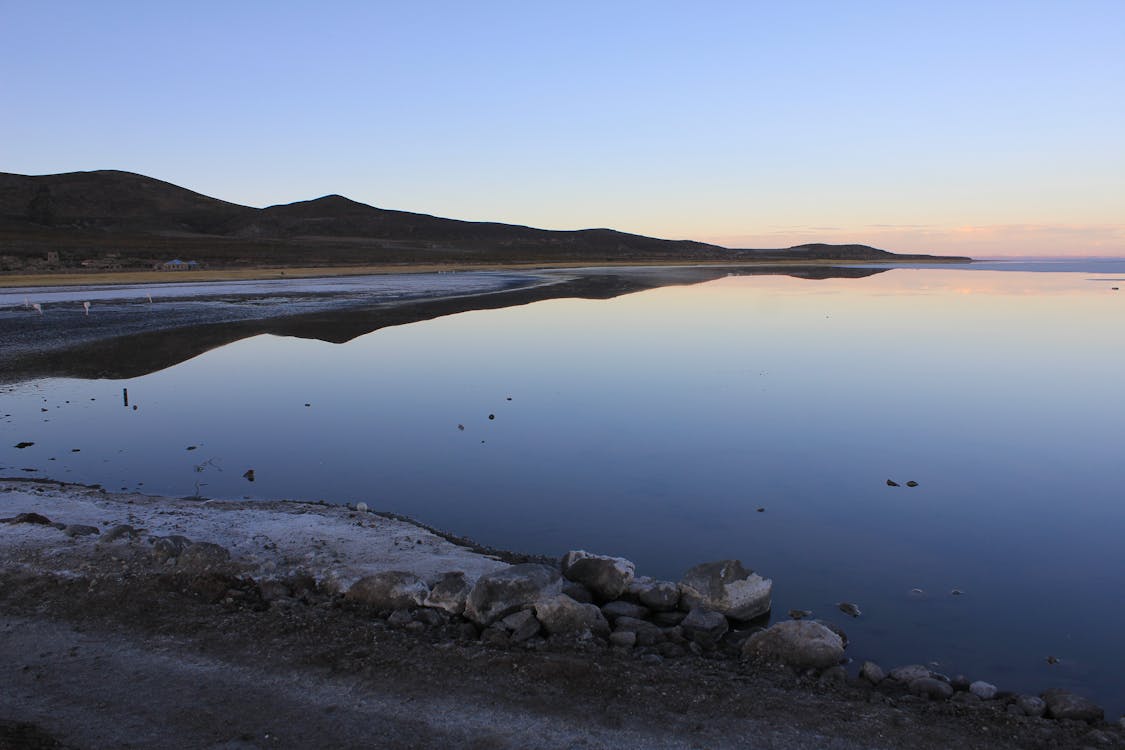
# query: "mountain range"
[[110, 218]]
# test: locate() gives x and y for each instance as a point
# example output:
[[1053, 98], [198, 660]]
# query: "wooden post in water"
[[125, 396]]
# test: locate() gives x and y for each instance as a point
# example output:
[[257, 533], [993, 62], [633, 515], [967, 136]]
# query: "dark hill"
[[119, 219]]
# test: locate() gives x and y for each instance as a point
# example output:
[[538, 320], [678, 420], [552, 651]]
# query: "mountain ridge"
[[113, 218]]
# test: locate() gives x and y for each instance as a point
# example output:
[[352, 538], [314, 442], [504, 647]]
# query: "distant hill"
[[118, 219]]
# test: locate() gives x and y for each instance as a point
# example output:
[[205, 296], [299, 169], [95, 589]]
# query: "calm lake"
[[656, 425]]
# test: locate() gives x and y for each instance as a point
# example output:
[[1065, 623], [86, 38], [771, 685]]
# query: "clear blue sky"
[[980, 127]]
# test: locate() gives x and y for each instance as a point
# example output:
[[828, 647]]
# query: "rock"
[[202, 556], [960, 682], [165, 548], [668, 619], [909, 673], [620, 608], [986, 691], [1063, 704], [502, 592], [431, 618], [797, 643], [659, 596], [117, 532], [392, 589], [911, 483], [1030, 705], [837, 630], [25, 443], [872, 672], [849, 609], [522, 625], [34, 518], [704, 626], [836, 675], [561, 615], [965, 697], [449, 593], [400, 618], [726, 587], [671, 650], [928, 687], [892, 483], [799, 614], [495, 637], [606, 577], [577, 592], [623, 638], [77, 529], [274, 590], [674, 634]]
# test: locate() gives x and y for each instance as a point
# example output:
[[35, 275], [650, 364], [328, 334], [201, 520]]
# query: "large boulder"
[[502, 592], [796, 643], [659, 596], [1063, 704], [726, 587], [449, 593], [561, 615], [392, 589], [704, 626], [606, 577]]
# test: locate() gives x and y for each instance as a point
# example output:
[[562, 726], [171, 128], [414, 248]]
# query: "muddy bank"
[[243, 638]]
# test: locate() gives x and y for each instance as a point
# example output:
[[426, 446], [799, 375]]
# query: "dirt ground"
[[101, 646]]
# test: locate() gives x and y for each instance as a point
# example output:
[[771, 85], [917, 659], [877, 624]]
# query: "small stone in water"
[[249, 475], [800, 614], [24, 444], [892, 483], [911, 483], [492, 416], [461, 427], [849, 609], [956, 592], [761, 510], [1052, 660], [191, 447]]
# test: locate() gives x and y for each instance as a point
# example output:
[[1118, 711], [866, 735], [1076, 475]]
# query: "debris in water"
[[956, 592], [249, 475], [510, 398], [1052, 660], [761, 510], [892, 483], [24, 444], [461, 427], [191, 447], [849, 609]]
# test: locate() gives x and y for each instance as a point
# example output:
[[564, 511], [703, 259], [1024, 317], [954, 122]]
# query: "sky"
[[957, 128]]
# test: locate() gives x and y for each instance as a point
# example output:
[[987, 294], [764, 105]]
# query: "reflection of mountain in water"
[[115, 356]]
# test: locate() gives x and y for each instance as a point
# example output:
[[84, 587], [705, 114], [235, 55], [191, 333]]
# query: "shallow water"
[[655, 425]]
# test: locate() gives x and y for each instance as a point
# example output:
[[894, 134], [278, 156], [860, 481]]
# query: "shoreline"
[[262, 273], [238, 583]]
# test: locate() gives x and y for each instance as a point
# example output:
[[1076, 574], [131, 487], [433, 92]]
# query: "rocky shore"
[[113, 606]]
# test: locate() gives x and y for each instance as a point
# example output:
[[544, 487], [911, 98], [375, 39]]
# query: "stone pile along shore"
[[716, 611]]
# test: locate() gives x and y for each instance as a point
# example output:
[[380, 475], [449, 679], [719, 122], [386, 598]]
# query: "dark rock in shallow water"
[[796, 643], [1063, 704], [911, 483], [726, 587], [849, 609], [892, 483], [24, 444], [928, 687], [799, 614]]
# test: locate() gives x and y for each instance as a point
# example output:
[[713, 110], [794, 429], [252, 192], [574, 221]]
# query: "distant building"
[[178, 265]]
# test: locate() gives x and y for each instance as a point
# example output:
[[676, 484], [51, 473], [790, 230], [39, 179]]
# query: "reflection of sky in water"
[[654, 425]]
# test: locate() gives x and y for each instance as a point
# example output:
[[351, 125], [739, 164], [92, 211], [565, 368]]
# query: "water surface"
[[656, 425]]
